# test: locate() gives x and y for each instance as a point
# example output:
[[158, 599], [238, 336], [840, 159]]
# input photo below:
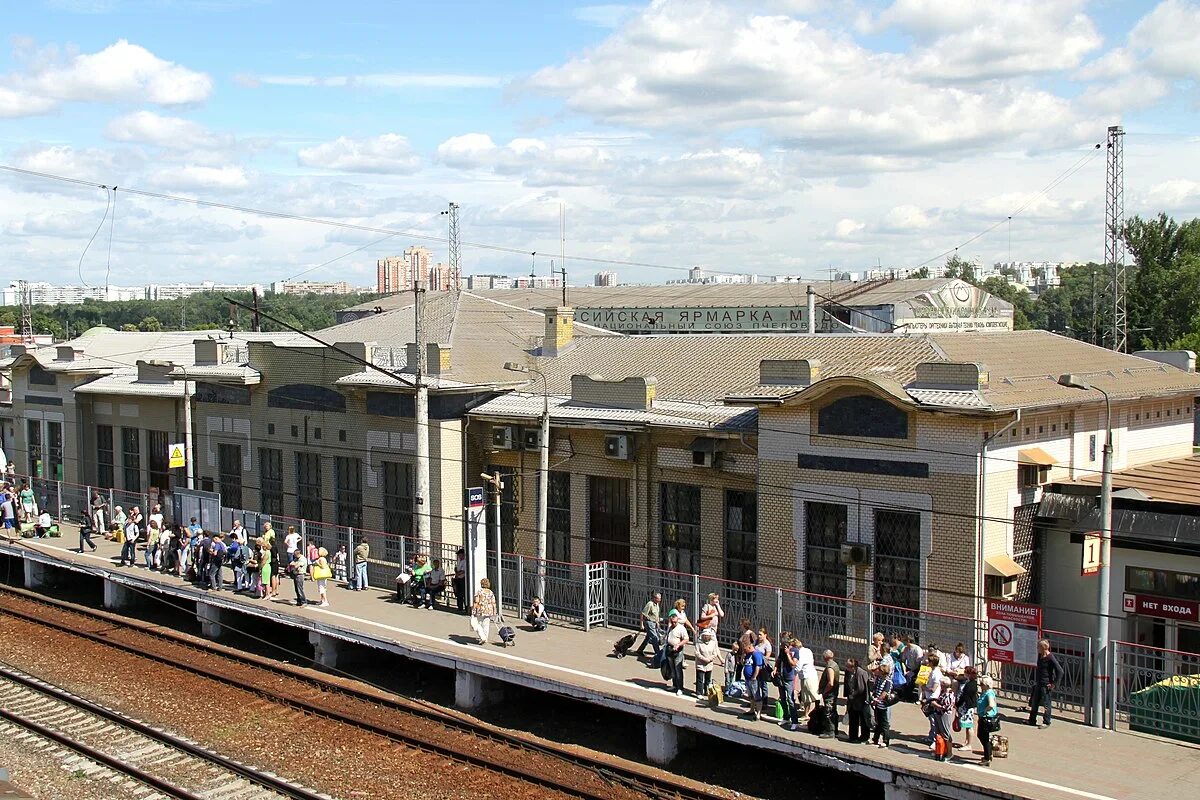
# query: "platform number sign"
[[1091, 553]]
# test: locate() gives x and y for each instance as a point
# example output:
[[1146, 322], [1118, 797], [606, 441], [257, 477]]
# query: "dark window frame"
[[825, 531], [741, 536], [310, 499], [229, 474], [270, 480], [558, 516], [159, 459], [679, 514], [608, 519], [862, 416], [348, 491], [105, 456], [131, 459], [898, 567], [54, 450]]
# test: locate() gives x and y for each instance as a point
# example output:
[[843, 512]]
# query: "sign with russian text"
[[675, 320], [1013, 632], [1165, 607], [177, 455], [1091, 554]]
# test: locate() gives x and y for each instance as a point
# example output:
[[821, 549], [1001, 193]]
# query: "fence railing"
[[611, 594], [1154, 690]]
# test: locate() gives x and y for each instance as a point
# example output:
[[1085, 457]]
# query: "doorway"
[[608, 522]]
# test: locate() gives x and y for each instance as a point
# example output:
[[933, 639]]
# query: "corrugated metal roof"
[[126, 383], [1173, 481], [948, 398]]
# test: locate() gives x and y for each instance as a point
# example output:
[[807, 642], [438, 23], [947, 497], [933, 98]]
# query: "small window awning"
[[1036, 455], [1003, 566]]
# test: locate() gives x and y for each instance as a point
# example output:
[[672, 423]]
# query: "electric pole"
[[257, 313], [421, 494], [1114, 229], [453, 246], [26, 311]]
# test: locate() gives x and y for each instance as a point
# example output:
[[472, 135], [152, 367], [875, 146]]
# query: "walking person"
[[459, 581], [1048, 674], [362, 553], [298, 569], [829, 685], [651, 617], [881, 704], [856, 688], [708, 652], [483, 609], [677, 638], [988, 716], [85, 536], [321, 574]]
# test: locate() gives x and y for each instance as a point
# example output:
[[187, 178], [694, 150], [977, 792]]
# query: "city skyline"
[[820, 139]]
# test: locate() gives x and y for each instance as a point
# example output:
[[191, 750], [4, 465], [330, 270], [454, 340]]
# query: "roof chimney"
[[632, 393], [560, 330], [437, 358], [790, 372], [1180, 359], [958, 375]]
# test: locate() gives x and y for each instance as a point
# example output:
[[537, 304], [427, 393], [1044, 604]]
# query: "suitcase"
[[623, 645], [508, 634], [999, 746], [716, 696]]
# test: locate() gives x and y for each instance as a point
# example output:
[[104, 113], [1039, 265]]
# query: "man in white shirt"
[[237, 532], [156, 517], [959, 661], [129, 548], [676, 639], [291, 541]]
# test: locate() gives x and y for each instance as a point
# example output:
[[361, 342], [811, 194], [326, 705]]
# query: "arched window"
[[863, 415], [306, 397]]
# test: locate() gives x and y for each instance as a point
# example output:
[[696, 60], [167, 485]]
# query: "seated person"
[[432, 585], [421, 568], [537, 615], [41, 528]]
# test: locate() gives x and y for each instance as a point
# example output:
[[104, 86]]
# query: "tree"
[[129, 327], [923, 272], [1163, 288], [959, 268], [149, 324]]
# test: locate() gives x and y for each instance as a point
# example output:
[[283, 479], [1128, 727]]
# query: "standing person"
[[708, 652], [876, 650], [118, 524], [321, 574], [945, 707], [153, 534], [957, 663], [28, 503], [202, 558], [298, 569], [156, 516], [459, 581], [677, 638], [651, 618], [483, 609], [786, 664], [216, 561], [752, 666], [711, 614], [291, 541], [266, 576], [679, 614], [930, 694], [183, 553], [828, 686], [881, 708], [339, 566], [856, 688], [361, 553], [747, 638], [988, 715], [807, 675], [968, 695], [8, 510], [268, 536], [99, 513], [238, 555], [129, 545], [1049, 673], [237, 533], [166, 549], [765, 675], [912, 657]]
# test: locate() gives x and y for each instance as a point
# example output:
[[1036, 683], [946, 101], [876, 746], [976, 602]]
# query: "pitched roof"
[[664, 413], [1173, 481]]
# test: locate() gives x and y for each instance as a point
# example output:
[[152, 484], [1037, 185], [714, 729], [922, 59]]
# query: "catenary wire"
[[107, 206]]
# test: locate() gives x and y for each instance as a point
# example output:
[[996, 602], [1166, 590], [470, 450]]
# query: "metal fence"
[[1155, 690]]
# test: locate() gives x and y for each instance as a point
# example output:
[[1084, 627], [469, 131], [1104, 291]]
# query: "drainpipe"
[[982, 507]]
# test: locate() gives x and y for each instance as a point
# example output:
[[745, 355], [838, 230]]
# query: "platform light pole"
[[543, 474], [1099, 679]]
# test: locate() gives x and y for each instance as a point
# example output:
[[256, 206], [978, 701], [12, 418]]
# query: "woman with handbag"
[[989, 718], [483, 609], [322, 573], [968, 695]]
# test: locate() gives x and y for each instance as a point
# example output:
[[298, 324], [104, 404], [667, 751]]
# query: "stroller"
[[507, 633]]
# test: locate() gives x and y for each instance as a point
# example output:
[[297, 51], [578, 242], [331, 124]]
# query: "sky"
[[777, 137]]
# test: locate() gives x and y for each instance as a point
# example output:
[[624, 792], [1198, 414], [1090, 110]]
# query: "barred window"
[[741, 536], [105, 457], [160, 472], [397, 505], [131, 458], [54, 450], [348, 496], [898, 566], [679, 513], [558, 517], [308, 486], [229, 474], [270, 480], [825, 530], [508, 507]]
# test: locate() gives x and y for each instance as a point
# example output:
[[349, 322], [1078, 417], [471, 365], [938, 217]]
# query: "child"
[[339, 565]]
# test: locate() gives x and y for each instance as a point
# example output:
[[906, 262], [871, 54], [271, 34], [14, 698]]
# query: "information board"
[[1013, 632]]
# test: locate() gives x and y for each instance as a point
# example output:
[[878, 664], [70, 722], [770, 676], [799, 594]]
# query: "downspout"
[[981, 507]]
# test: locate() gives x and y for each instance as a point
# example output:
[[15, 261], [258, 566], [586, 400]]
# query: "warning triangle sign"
[[178, 456]]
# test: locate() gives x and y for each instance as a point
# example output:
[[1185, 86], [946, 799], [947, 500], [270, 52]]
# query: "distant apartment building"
[[176, 291], [399, 273], [695, 275], [442, 278], [42, 293], [1037, 276], [606, 279], [477, 283], [315, 287]]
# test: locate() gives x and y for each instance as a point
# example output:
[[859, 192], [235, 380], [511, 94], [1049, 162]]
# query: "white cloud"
[[173, 133], [608, 15], [906, 218], [386, 154], [848, 228], [1171, 195], [380, 80], [121, 72], [707, 68], [15, 103], [1168, 37], [194, 177]]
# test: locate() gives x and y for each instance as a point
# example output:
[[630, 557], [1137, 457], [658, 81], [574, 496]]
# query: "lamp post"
[[1102, 601], [543, 474]]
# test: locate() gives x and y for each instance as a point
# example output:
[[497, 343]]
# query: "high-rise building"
[[441, 278], [606, 278], [695, 275], [398, 273]]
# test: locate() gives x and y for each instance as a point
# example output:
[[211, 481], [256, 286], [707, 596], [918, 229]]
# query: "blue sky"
[[778, 137]]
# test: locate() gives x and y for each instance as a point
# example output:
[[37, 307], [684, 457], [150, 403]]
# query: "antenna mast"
[[454, 246], [26, 311], [1114, 243]]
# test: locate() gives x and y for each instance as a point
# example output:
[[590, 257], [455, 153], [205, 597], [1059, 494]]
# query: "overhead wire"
[[107, 206]]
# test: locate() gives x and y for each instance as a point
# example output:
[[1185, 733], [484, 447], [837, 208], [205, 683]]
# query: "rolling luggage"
[[623, 645], [507, 633]]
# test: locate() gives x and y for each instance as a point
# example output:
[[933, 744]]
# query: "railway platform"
[[1066, 760]]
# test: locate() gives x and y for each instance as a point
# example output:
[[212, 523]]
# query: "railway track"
[[578, 773], [132, 751]]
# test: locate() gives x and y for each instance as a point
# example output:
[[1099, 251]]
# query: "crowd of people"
[[958, 702], [21, 512]]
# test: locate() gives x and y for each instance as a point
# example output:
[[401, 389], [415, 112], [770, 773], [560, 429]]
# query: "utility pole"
[[257, 313], [565, 303], [495, 484], [1114, 242], [26, 311], [421, 495]]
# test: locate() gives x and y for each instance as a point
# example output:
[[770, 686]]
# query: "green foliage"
[[923, 272], [198, 312], [959, 268]]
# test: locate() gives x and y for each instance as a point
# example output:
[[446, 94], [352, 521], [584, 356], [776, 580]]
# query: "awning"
[[1036, 455], [1003, 566]]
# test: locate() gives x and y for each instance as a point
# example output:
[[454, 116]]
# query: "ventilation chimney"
[[632, 393], [1180, 359], [954, 375], [437, 358], [560, 330], [206, 352], [792, 372]]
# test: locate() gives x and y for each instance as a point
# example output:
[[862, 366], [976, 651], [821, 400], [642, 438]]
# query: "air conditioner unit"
[[856, 555], [531, 438], [616, 446], [503, 437]]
